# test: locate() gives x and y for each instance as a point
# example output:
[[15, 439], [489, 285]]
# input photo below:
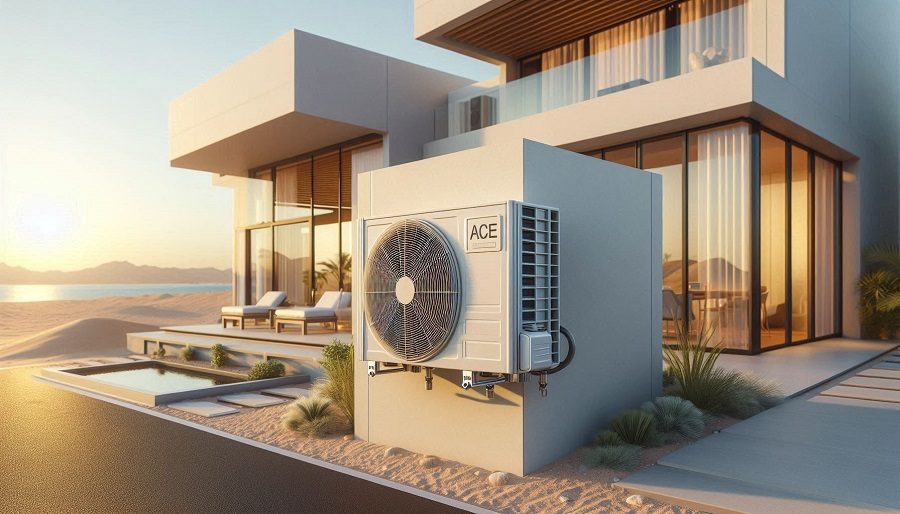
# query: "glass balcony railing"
[[621, 58]]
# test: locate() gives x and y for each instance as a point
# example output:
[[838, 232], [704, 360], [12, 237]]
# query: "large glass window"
[[622, 155], [259, 263], [293, 190], [799, 244], [311, 231], [824, 236], [665, 157], [292, 262], [326, 195], [798, 266], [719, 182], [772, 240]]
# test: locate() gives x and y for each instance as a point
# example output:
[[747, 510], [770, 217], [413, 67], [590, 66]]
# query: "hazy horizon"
[[84, 173]]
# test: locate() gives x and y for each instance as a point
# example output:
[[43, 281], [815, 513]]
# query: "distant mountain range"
[[118, 272]]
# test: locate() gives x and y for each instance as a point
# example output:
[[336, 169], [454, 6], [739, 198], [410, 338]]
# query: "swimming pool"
[[154, 383], [157, 378]]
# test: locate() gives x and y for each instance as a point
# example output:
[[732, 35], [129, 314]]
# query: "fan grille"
[[412, 290]]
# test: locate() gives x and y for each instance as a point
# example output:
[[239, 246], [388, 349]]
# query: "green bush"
[[218, 355], [635, 427], [608, 438], [337, 385], [712, 389], [668, 378], [675, 418], [311, 416], [159, 353], [186, 353], [879, 291], [266, 369], [623, 457]]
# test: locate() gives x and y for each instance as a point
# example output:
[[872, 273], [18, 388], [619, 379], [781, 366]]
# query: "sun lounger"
[[325, 311], [262, 310]]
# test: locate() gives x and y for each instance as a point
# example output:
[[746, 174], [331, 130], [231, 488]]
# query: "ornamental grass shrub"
[[635, 427], [218, 355], [713, 389], [675, 418], [313, 417], [608, 438], [266, 369], [187, 353], [623, 457], [337, 384]]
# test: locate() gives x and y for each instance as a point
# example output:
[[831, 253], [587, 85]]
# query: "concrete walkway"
[[833, 449], [797, 369]]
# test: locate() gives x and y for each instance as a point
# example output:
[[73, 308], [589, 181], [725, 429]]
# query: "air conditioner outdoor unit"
[[474, 289]]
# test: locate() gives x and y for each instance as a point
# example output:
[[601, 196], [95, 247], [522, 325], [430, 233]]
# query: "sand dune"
[[40, 332], [80, 338]]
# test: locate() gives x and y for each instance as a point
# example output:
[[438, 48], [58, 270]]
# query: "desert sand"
[[33, 333], [587, 490], [39, 333]]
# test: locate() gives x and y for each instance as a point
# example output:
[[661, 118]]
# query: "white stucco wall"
[[610, 297]]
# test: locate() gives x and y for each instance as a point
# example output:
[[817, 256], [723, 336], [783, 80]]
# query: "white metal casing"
[[493, 288]]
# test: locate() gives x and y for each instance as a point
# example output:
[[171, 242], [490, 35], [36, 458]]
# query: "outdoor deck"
[[300, 353]]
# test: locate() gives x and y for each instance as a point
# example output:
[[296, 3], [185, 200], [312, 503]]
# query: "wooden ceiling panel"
[[525, 27]]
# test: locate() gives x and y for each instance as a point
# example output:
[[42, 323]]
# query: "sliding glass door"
[[751, 234], [719, 251], [302, 243]]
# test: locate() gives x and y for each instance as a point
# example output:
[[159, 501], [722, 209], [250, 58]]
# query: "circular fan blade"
[[412, 252]]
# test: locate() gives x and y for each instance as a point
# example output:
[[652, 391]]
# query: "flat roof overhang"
[[507, 30], [297, 94], [286, 136]]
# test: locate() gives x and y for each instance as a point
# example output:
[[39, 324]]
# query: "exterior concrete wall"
[[611, 296], [610, 290], [300, 93]]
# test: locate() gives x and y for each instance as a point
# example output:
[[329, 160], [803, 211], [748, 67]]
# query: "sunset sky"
[[84, 93]]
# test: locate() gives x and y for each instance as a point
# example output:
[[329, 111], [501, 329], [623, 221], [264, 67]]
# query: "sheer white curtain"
[[712, 32], [562, 81], [719, 229], [824, 251], [632, 51], [292, 261]]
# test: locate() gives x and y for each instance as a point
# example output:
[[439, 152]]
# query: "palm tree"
[[879, 290], [340, 270]]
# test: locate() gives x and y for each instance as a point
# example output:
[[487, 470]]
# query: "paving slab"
[[810, 470], [90, 363], [873, 382], [715, 494], [855, 402], [888, 365], [290, 391], [811, 424], [863, 393], [881, 373], [205, 409], [251, 400], [116, 360]]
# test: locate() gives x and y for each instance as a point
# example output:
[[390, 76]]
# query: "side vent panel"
[[539, 273]]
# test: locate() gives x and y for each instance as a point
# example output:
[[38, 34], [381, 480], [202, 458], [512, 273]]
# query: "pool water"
[[156, 379]]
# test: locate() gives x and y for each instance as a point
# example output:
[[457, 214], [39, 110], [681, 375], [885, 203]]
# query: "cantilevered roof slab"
[[297, 94]]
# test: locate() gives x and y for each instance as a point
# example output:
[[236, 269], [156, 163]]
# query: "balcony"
[[623, 57]]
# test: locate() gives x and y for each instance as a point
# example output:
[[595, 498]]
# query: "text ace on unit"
[[483, 234]]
